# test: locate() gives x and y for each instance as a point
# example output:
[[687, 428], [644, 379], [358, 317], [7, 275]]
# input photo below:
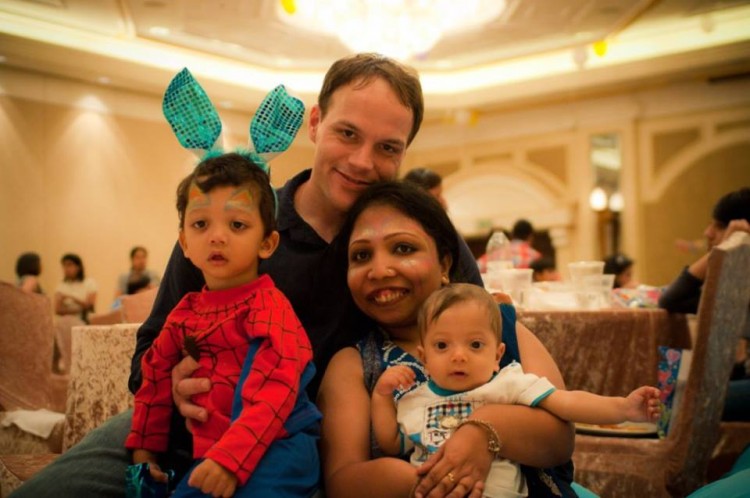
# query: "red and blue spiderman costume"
[[221, 328]]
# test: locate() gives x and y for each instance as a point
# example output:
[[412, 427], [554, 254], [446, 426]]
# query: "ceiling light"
[[598, 199], [159, 31], [104, 80], [398, 28]]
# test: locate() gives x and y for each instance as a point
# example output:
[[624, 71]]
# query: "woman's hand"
[[184, 387], [457, 469]]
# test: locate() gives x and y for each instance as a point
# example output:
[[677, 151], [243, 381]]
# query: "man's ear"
[[269, 245], [183, 243], [312, 125], [498, 355]]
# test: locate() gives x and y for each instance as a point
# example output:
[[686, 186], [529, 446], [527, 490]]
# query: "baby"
[[461, 346]]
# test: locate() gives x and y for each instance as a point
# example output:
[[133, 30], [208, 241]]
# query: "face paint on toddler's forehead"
[[197, 198], [242, 198]]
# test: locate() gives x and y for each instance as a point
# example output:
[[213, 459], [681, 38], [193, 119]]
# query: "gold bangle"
[[494, 445]]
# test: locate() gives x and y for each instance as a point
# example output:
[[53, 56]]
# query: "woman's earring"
[[445, 280]]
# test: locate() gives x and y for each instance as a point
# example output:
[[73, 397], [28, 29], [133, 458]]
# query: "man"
[[520, 244], [429, 181]]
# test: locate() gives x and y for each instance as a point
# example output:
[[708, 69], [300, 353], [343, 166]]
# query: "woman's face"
[[70, 270], [393, 266]]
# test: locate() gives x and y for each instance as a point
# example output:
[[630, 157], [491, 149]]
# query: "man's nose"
[[362, 157]]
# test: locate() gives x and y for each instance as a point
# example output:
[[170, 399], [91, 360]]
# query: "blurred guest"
[[28, 269], [429, 181], [621, 267], [522, 236], [139, 277], [731, 214], [76, 294], [544, 270]]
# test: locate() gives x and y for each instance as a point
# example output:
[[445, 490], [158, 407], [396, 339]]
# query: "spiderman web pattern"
[[269, 392]]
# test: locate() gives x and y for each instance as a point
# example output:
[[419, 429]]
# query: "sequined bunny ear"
[[189, 111], [276, 123]]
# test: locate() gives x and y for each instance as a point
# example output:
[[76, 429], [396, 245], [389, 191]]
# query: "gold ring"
[[451, 478]]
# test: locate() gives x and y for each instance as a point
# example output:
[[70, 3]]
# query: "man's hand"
[[183, 387], [145, 456], [213, 479]]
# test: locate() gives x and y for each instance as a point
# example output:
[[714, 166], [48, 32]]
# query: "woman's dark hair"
[[28, 263], [231, 169], [414, 203], [76, 260], [733, 206]]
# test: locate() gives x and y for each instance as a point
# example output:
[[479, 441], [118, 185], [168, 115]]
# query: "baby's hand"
[[145, 456], [643, 405], [398, 377], [213, 479]]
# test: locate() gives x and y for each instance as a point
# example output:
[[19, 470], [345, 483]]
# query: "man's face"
[[714, 232], [361, 140]]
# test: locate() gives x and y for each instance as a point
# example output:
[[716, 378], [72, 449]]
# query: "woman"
[[28, 269], [76, 294], [400, 247]]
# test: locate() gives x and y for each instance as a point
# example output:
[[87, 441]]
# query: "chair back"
[[720, 320], [136, 307], [27, 338], [98, 377]]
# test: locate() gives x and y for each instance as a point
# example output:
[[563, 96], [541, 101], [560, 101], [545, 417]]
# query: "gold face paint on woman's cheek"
[[242, 198]]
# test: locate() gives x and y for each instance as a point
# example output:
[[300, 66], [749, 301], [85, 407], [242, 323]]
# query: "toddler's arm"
[[641, 405], [383, 409]]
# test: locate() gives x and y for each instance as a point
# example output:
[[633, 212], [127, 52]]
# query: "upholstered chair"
[[676, 465]]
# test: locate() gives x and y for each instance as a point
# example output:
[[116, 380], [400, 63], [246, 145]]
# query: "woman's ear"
[[499, 353], [445, 268], [269, 245]]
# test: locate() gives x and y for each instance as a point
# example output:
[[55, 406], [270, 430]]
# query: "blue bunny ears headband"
[[197, 126]]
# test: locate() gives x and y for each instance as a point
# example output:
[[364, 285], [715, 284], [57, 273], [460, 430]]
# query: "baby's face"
[[460, 350]]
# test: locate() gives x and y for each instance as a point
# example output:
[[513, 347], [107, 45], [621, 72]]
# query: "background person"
[[28, 269], [76, 294], [429, 181], [139, 277], [544, 270], [730, 214], [621, 266], [521, 238]]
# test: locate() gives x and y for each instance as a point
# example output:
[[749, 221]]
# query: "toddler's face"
[[460, 350]]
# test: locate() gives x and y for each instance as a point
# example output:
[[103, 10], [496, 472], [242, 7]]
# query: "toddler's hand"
[[145, 456], [643, 405], [211, 478], [393, 378]]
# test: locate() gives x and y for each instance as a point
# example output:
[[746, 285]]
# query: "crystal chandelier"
[[398, 28]]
